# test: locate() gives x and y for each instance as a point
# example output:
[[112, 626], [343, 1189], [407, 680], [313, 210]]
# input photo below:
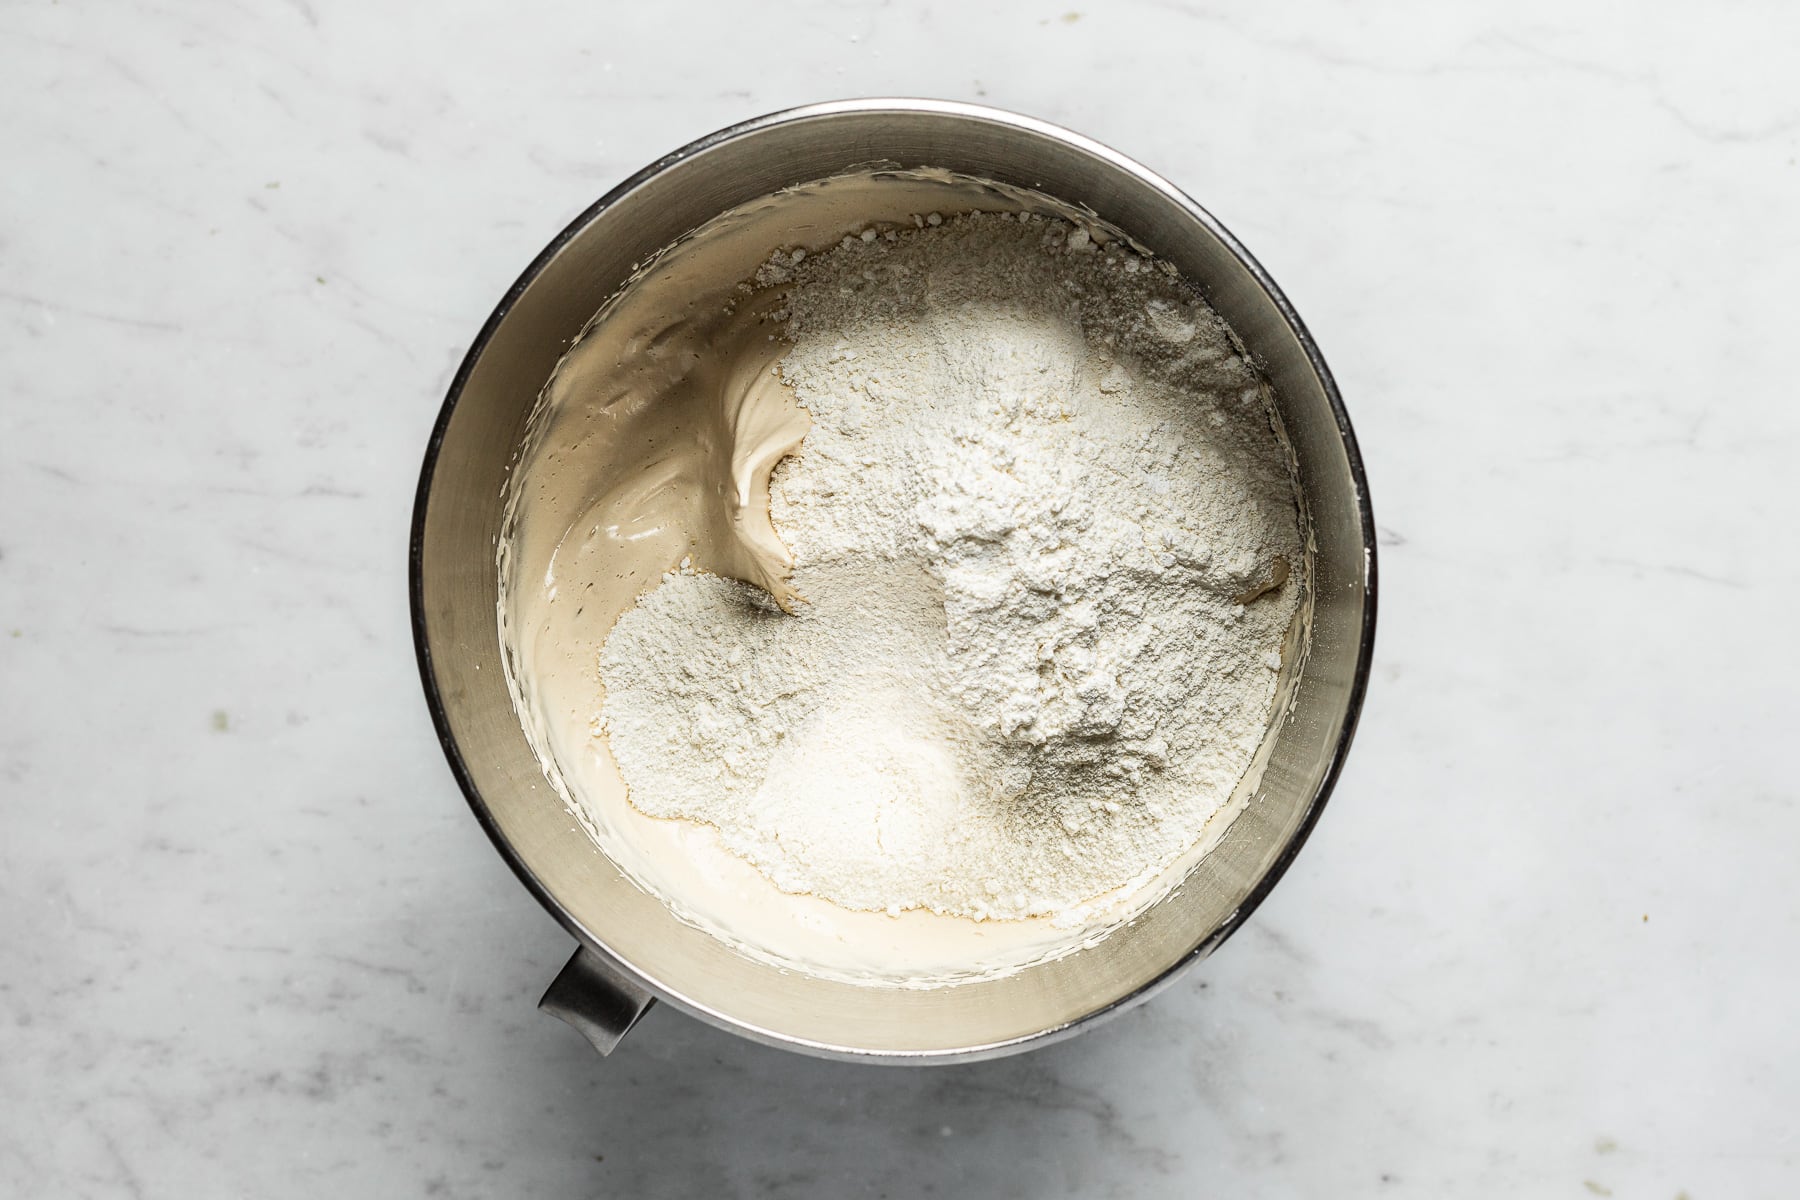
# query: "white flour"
[[1043, 531]]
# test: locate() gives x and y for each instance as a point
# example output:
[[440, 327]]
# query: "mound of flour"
[[1048, 549]]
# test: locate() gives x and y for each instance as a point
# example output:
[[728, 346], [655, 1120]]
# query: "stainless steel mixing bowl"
[[631, 949]]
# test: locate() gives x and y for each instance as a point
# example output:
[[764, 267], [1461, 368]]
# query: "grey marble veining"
[[251, 943]]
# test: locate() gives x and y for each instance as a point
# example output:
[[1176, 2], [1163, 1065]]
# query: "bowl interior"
[[455, 585]]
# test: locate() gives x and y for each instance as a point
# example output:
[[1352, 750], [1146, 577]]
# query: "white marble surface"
[[1544, 943]]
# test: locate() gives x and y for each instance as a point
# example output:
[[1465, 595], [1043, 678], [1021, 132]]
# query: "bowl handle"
[[594, 997]]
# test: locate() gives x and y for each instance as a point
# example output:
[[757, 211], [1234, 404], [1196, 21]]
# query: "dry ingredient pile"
[[1046, 551]]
